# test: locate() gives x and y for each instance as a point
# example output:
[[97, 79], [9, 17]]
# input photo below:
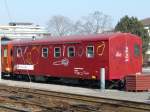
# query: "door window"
[[5, 53], [136, 50]]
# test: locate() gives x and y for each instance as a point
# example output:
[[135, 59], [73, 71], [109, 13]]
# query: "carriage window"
[[90, 51], [57, 52], [44, 52], [19, 52], [136, 50], [71, 51], [5, 52]]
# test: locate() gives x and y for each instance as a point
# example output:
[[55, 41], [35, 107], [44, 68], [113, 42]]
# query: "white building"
[[23, 31], [146, 23]]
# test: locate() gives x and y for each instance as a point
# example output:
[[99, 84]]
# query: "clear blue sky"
[[39, 11]]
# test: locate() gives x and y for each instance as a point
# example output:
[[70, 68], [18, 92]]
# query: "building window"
[[71, 51], [57, 52], [136, 50], [90, 51], [44, 52], [19, 52], [5, 53]]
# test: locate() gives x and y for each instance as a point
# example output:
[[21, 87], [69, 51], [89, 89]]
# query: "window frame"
[[45, 52], [57, 52], [87, 51], [68, 53], [19, 54]]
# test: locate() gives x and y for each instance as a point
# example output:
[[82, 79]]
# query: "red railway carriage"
[[6, 55], [79, 57]]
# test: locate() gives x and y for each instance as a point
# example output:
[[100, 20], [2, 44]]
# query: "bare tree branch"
[[96, 22], [60, 25]]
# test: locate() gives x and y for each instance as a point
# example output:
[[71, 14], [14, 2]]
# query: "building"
[[23, 31], [146, 23]]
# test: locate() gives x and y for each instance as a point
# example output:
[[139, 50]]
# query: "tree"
[[94, 23], [134, 26], [60, 25]]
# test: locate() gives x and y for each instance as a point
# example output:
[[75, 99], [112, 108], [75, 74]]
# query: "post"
[[102, 78], [0, 60]]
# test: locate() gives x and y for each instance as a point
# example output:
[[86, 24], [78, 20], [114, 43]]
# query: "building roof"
[[146, 22], [19, 23]]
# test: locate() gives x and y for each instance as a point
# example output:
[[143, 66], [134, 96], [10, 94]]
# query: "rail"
[[80, 102]]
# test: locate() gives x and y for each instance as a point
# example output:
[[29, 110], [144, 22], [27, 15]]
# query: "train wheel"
[[5, 75], [115, 84], [121, 85]]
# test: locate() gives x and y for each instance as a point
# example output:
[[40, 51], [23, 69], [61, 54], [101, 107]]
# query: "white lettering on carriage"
[[24, 67]]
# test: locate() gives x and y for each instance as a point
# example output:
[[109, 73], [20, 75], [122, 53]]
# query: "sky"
[[40, 11]]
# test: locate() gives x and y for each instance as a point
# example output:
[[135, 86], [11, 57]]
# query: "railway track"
[[32, 100], [11, 109]]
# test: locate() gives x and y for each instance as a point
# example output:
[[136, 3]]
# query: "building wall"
[[148, 29], [147, 60], [23, 31]]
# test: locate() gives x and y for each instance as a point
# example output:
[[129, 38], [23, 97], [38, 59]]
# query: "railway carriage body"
[[79, 57], [6, 58]]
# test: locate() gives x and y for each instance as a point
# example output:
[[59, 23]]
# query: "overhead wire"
[[8, 11], [11, 20]]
